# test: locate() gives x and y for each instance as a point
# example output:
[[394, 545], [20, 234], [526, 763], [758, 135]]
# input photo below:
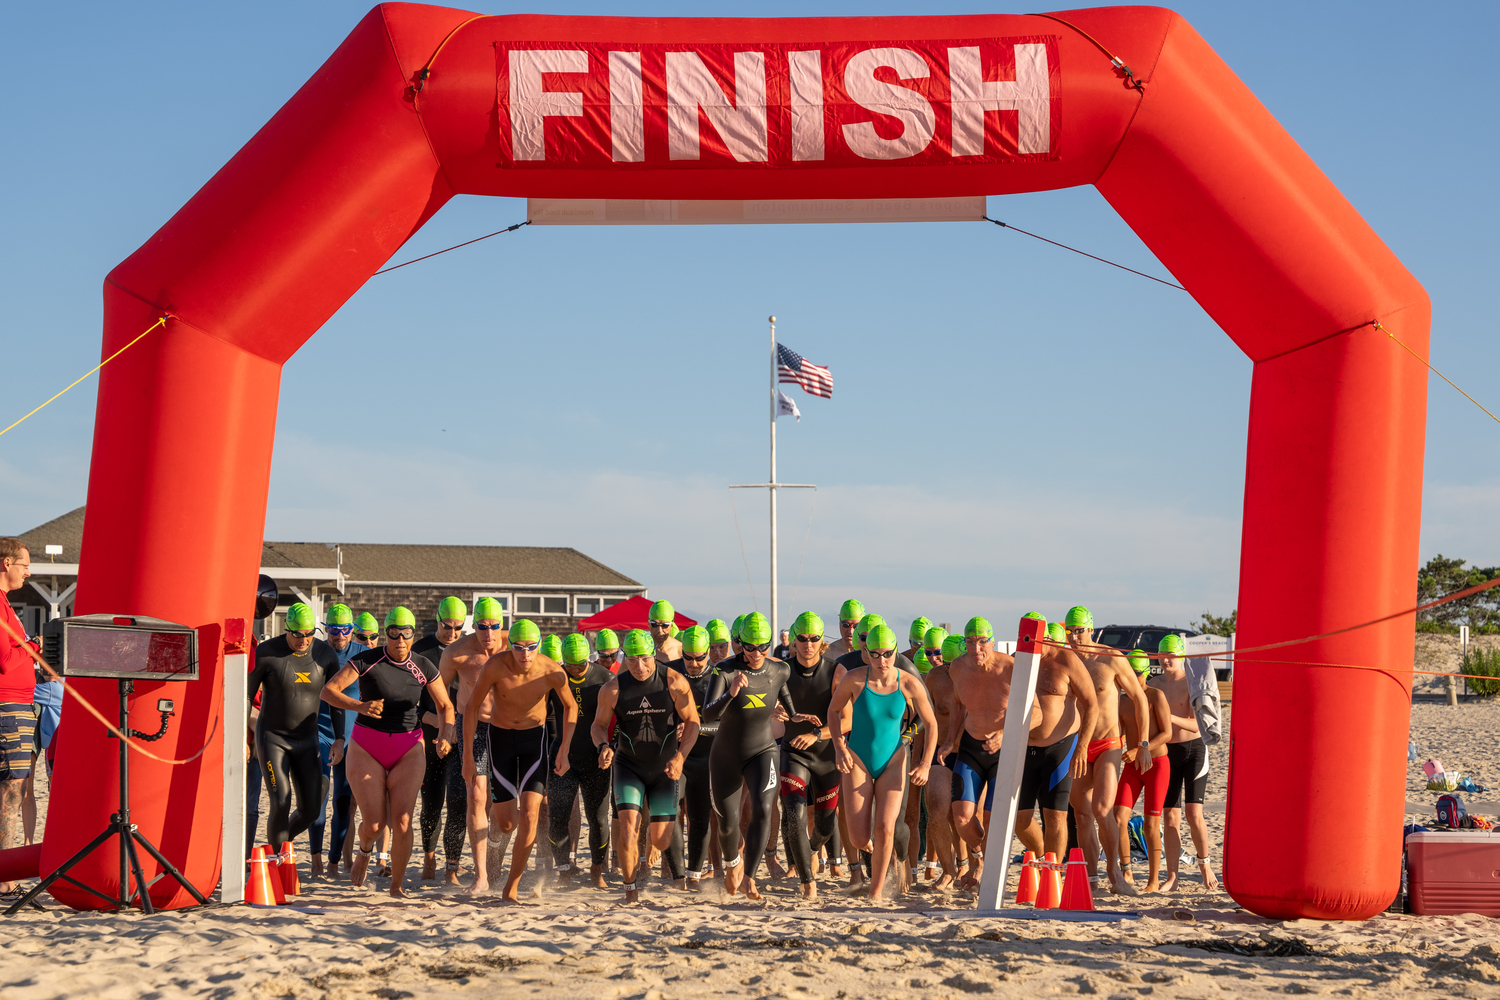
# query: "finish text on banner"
[[978, 100]]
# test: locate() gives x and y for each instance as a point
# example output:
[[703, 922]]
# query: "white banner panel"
[[627, 212]]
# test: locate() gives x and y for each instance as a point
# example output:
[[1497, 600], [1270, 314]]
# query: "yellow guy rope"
[[153, 326]]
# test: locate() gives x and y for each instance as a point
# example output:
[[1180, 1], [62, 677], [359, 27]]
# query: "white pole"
[[236, 719], [1012, 764], [774, 632]]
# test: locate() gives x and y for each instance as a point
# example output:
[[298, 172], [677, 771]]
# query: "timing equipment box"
[[1456, 872], [127, 647]]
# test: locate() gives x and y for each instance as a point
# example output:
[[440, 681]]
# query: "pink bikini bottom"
[[386, 748]]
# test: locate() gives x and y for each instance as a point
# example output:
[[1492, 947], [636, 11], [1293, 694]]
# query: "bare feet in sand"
[[751, 892], [450, 877], [972, 877], [732, 880], [1209, 881], [943, 883], [810, 890], [429, 867], [773, 866], [1170, 885], [317, 866], [361, 866], [596, 877]]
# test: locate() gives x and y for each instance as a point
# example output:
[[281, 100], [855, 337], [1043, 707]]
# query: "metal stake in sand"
[[1012, 763]]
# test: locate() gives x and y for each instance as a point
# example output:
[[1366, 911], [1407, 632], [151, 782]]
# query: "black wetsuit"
[[744, 751], [437, 781], [902, 834], [286, 737], [584, 776], [809, 775], [695, 783], [645, 739]]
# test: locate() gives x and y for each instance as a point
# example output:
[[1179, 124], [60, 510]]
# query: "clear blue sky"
[[564, 404]]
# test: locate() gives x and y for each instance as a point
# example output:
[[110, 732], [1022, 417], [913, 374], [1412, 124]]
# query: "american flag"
[[794, 368]]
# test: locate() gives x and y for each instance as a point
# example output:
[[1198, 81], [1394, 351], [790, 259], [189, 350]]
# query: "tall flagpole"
[[772, 484]]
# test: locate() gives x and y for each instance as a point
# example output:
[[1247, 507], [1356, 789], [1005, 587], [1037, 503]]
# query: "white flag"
[[786, 406]]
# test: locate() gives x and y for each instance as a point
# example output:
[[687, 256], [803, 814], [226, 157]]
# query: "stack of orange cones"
[[1026, 889], [1049, 890], [1076, 894], [261, 889], [288, 874]]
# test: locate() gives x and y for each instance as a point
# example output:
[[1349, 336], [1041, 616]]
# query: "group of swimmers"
[[858, 745]]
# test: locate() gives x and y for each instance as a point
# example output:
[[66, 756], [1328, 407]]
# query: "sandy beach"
[[337, 942]]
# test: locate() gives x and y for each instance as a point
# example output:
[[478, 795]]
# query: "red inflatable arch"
[[421, 103]]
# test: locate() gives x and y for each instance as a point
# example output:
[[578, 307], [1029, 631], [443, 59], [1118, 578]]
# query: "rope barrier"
[[153, 326], [98, 714], [1143, 274]]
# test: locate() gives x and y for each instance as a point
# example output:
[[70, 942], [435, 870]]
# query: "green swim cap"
[[934, 638], [488, 609], [851, 611], [451, 608], [606, 639], [880, 637], [868, 622], [524, 630], [551, 647], [918, 629], [339, 614], [978, 628], [807, 623], [638, 642], [755, 630], [575, 649], [1035, 616], [1056, 632], [734, 630], [367, 623], [718, 631], [1171, 643], [1079, 617], [661, 611], [695, 640], [300, 617], [1140, 662], [953, 648], [400, 617]]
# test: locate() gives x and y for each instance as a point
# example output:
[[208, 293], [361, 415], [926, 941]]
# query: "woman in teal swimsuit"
[[869, 706]]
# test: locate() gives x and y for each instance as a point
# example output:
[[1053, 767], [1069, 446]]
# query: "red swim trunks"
[[1097, 747], [1154, 782]]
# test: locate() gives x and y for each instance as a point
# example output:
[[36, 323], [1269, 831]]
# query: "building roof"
[[365, 562]]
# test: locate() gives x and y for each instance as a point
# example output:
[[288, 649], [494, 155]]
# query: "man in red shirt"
[[17, 713]]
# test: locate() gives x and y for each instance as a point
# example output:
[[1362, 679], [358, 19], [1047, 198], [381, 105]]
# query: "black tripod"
[[120, 825]]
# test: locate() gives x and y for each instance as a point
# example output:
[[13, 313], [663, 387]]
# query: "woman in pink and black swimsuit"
[[386, 759]]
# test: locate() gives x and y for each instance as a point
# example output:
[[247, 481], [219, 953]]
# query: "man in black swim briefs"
[[519, 679]]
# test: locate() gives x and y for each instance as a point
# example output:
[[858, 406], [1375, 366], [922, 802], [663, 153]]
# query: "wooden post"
[[1012, 763]]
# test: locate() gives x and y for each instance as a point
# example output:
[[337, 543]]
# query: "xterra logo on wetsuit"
[[754, 701]]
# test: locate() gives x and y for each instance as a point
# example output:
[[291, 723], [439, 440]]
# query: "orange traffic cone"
[[1026, 888], [273, 870], [260, 888], [1049, 891], [1076, 894], [288, 871]]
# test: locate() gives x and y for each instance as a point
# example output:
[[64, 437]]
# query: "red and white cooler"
[[1456, 872]]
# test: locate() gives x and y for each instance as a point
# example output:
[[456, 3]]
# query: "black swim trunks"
[[1048, 775], [1190, 769], [518, 762]]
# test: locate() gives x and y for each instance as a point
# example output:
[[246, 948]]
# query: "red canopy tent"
[[628, 614]]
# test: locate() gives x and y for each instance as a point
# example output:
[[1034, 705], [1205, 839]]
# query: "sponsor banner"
[[632, 212], [975, 100]]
